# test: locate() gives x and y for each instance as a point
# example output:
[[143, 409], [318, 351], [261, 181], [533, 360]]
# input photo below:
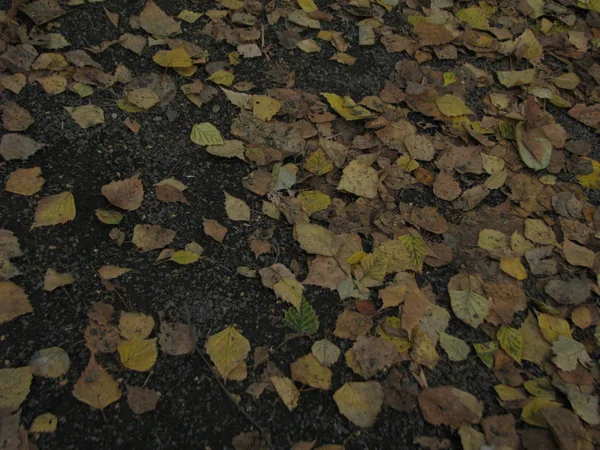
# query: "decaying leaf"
[[449, 406], [126, 194], [54, 280]]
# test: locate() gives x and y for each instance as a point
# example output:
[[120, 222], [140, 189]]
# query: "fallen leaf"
[[351, 325], [445, 405], [360, 402], [152, 237], [455, 348], [317, 240], [14, 302], [25, 181], [96, 387], [359, 179], [287, 391], [44, 423], [52, 362], [469, 306], [228, 349], [177, 338], [126, 194], [236, 208], [308, 370], [302, 318], [568, 353], [154, 21], [54, 280], [15, 117], [112, 272], [142, 400], [14, 387], [138, 354], [206, 134], [18, 146], [135, 325], [326, 352], [86, 116]]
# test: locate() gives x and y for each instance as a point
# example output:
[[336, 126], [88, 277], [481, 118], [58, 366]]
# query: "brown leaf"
[[15, 117], [432, 33], [214, 229], [446, 187], [577, 255], [430, 219], [446, 405], [142, 400], [351, 325], [101, 313], [325, 271], [177, 338], [42, 11], [500, 431], [251, 440], [567, 429], [53, 280], [371, 355], [400, 391], [102, 338], [14, 302], [154, 21], [573, 292], [152, 237], [126, 194], [18, 146]]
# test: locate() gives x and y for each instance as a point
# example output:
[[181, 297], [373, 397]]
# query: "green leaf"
[[184, 257], [486, 352], [206, 134], [304, 320], [511, 342], [455, 348], [416, 247], [469, 306]]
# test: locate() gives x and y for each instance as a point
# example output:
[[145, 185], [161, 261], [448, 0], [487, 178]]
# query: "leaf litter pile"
[[297, 224]]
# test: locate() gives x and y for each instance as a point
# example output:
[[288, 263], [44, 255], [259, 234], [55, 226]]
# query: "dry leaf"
[[228, 349], [154, 21], [236, 208], [214, 229], [142, 400], [360, 402], [308, 370], [52, 362], [445, 405], [54, 280], [152, 237], [14, 387], [54, 210], [177, 338], [126, 194], [18, 146], [25, 181], [14, 302], [96, 387]]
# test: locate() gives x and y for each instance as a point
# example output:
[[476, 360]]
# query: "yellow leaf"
[[423, 350], [318, 163], [290, 290], [346, 108], [532, 412], [184, 257], [96, 387], [144, 98], [452, 106], [375, 265], [308, 370], [308, 46], [513, 267], [54, 210], [390, 330], [492, 240], [135, 325], [592, 179], [109, 217], [44, 423], [307, 6], [14, 387], [407, 163], [356, 257], [314, 201], [264, 107], [227, 349], [475, 17], [87, 115], [287, 390], [552, 327], [222, 77], [206, 133], [508, 393], [511, 342], [189, 16], [172, 58], [360, 402], [138, 354]]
